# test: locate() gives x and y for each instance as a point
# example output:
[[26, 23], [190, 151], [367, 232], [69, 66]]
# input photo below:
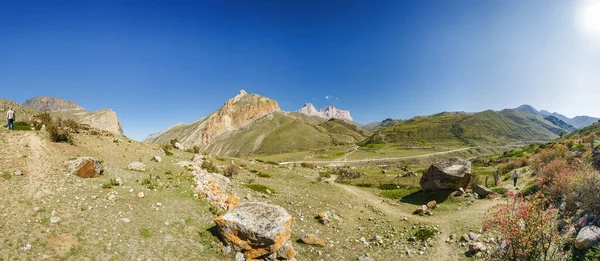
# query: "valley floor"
[[48, 214]]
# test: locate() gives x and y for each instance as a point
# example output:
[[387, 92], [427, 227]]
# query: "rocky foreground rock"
[[482, 191], [447, 174], [587, 237], [213, 188], [85, 167], [258, 230]]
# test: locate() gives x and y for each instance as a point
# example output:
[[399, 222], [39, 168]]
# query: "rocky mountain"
[[326, 112], [577, 122], [23, 113], [250, 124], [104, 119]]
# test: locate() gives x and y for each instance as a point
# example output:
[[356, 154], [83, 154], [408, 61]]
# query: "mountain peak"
[[525, 108], [52, 104], [327, 112]]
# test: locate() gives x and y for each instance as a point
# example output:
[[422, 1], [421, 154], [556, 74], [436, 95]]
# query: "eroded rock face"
[[587, 237], [326, 113], [85, 167], [447, 174], [257, 230], [103, 120]]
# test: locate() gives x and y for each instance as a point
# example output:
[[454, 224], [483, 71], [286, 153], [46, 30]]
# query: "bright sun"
[[589, 18]]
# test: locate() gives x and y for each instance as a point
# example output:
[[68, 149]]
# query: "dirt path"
[[37, 164], [442, 250], [378, 159]]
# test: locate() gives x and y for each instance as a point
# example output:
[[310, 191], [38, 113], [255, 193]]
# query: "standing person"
[[10, 116], [515, 177]]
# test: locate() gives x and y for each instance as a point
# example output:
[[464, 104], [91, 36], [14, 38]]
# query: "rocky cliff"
[[326, 113], [236, 113], [104, 119]]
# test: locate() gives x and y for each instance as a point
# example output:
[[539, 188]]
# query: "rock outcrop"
[[326, 113], [482, 191], [447, 174], [104, 119], [213, 188], [258, 230], [236, 113], [587, 237], [85, 167], [137, 166]]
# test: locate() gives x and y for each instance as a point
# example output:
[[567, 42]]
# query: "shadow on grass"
[[421, 197]]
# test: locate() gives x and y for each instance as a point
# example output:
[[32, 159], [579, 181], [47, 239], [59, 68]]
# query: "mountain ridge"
[[326, 112]]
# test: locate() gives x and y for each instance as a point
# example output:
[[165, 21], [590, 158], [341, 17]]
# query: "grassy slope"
[[482, 128], [594, 128], [281, 133]]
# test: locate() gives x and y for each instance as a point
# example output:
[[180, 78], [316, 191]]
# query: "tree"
[[561, 133]]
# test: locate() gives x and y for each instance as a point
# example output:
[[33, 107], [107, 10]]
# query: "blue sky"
[[157, 63]]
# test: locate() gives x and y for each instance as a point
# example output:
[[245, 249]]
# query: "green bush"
[[425, 233], [530, 190], [209, 166], [364, 185], [230, 171], [20, 125], [254, 171], [308, 165], [111, 183], [324, 175], [259, 160], [149, 183], [500, 191], [593, 254], [260, 188], [264, 175], [221, 159], [145, 232], [272, 163], [58, 135]]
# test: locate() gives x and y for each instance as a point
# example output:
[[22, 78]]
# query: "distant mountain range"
[[578, 122], [328, 112]]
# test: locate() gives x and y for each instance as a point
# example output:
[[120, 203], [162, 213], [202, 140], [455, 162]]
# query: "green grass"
[[272, 162], [254, 171], [6, 175], [398, 193], [364, 185], [20, 125], [145, 232], [264, 175], [260, 188], [111, 183]]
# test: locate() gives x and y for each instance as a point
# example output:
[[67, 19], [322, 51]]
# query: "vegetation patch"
[[264, 175], [500, 191], [364, 185], [424, 234], [260, 188], [111, 183], [392, 186], [325, 175], [209, 166], [272, 163], [308, 165], [254, 171], [145, 232], [399, 193]]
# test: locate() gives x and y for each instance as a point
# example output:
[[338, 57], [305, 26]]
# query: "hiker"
[[515, 177], [10, 116]]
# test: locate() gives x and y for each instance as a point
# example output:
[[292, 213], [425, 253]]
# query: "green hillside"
[[594, 128], [451, 129], [280, 133]]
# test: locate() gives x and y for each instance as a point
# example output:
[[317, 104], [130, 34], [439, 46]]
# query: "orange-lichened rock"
[[257, 229], [85, 167]]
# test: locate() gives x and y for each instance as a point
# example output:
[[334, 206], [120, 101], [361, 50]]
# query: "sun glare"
[[589, 18]]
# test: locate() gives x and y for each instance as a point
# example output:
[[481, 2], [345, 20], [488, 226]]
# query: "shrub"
[[529, 190], [364, 185], [254, 171], [230, 171], [272, 163], [324, 175], [392, 186], [209, 166], [345, 175], [196, 149], [221, 159], [556, 178], [593, 254], [587, 189], [528, 227], [172, 142], [145, 232], [149, 183], [500, 191], [58, 135], [260, 188], [264, 175], [20, 125], [259, 160], [424, 234], [111, 183]]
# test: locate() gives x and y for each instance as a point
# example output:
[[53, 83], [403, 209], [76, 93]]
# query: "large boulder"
[[447, 174], [482, 191], [85, 167], [214, 188], [587, 237], [257, 229], [137, 166]]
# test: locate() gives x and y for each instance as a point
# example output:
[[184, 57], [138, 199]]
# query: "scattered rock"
[[473, 236], [18, 173], [326, 217], [459, 193], [158, 204], [365, 257], [476, 247], [311, 239], [447, 174], [255, 228], [137, 166], [157, 159], [112, 198], [465, 238], [422, 210], [587, 237], [85, 167], [55, 220], [432, 204], [126, 220], [140, 195], [178, 146], [239, 256], [213, 188], [482, 191]]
